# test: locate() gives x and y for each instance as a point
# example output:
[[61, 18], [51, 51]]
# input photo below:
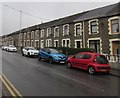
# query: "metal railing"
[[113, 58]]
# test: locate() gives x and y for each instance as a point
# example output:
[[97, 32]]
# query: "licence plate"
[[103, 70], [62, 61]]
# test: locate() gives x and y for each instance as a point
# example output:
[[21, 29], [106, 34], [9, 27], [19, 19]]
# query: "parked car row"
[[10, 48], [90, 61]]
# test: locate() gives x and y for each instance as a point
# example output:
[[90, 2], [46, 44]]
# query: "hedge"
[[72, 51]]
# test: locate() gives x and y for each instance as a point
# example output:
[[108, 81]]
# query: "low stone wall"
[[115, 65]]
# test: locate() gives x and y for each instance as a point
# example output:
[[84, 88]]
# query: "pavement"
[[115, 72]]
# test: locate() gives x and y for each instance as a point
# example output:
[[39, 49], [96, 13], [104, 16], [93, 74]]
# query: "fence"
[[113, 58]]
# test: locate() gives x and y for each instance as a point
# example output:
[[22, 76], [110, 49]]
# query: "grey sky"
[[45, 10]]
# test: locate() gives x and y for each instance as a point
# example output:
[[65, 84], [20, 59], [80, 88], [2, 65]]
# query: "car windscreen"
[[11, 46], [53, 51], [31, 48], [101, 59]]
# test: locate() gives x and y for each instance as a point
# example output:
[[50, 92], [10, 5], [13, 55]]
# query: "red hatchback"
[[92, 62]]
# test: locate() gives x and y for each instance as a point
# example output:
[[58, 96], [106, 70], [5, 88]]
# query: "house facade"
[[98, 29]]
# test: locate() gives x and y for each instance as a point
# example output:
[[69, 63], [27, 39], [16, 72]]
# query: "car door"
[[85, 60], [76, 61], [44, 53]]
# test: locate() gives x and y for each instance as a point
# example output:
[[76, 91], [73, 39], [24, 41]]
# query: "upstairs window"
[[65, 30], [56, 32], [115, 25], [28, 35], [32, 35], [24, 35], [93, 26], [78, 29], [42, 33], [48, 32], [36, 34]]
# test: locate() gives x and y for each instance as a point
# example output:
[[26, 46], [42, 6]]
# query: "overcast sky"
[[46, 11]]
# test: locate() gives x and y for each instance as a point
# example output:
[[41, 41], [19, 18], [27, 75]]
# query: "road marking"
[[80, 82], [11, 85], [11, 92]]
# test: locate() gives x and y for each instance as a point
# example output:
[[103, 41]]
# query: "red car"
[[92, 62]]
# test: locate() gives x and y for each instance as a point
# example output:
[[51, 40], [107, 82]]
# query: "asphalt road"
[[38, 78]]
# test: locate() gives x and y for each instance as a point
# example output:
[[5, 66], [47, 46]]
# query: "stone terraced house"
[[98, 28]]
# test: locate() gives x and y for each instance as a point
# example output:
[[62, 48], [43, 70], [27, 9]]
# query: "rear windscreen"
[[101, 59]]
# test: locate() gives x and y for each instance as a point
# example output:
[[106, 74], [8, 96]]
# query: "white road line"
[[80, 82]]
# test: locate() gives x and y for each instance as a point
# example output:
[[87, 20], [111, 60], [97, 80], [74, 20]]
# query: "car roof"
[[92, 53]]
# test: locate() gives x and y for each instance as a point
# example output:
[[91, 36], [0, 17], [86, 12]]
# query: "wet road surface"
[[38, 78]]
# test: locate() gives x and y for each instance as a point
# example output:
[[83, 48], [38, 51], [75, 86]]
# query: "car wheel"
[[39, 57], [28, 54], [50, 60], [91, 70], [69, 65]]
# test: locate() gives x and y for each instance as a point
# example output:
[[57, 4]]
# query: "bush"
[[72, 51]]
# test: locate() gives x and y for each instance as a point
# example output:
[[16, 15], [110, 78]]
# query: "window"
[[24, 35], [37, 34], [28, 35], [56, 31], [86, 56], [48, 32], [32, 35], [42, 33], [79, 56], [65, 30], [78, 29], [48, 43], [93, 26], [95, 44], [66, 43], [115, 25]]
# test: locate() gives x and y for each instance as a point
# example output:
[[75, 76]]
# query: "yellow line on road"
[[11, 92], [13, 87]]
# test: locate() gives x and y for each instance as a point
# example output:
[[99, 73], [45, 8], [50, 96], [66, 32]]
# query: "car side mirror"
[[48, 52], [73, 57]]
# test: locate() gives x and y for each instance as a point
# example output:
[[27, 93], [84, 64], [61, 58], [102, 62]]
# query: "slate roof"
[[101, 12], [106, 11]]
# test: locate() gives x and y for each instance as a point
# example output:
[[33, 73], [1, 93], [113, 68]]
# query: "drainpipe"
[[83, 35]]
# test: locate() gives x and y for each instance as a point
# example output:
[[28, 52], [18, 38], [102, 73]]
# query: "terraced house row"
[[98, 28]]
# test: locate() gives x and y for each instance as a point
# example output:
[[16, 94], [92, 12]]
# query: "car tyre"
[[39, 57], [91, 70], [28, 54], [69, 65], [50, 60]]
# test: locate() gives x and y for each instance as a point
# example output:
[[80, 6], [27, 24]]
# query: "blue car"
[[52, 55]]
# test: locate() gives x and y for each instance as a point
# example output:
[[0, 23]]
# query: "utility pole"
[[19, 44]]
